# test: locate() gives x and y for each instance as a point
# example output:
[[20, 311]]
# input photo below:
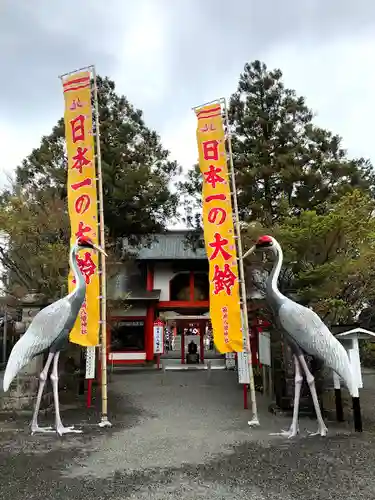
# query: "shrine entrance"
[[183, 330]]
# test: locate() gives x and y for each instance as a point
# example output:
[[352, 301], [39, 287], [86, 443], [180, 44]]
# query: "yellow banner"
[[225, 309], [82, 199]]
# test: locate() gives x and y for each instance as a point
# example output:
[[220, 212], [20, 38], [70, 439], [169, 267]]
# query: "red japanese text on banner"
[[225, 309], [82, 199]]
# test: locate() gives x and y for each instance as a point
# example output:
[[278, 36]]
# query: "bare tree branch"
[[7, 262]]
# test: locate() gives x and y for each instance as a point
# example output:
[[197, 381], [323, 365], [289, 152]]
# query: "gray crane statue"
[[305, 332], [49, 332]]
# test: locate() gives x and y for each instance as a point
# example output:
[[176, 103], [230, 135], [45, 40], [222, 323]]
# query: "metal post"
[[104, 422], [338, 398], [245, 320]]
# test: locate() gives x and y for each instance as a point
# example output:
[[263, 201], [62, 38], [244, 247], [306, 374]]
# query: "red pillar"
[[150, 316], [150, 278], [149, 332], [191, 286], [245, 403]]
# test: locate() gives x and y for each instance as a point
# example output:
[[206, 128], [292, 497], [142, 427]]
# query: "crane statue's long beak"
[[99, 249], [249, 252]]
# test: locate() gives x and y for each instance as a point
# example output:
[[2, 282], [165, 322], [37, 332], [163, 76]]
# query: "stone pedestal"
[[24, 388]]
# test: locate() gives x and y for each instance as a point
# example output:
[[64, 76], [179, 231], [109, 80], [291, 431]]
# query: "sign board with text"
[[243, 367], [265, 348], [158, 337], [90, 362]]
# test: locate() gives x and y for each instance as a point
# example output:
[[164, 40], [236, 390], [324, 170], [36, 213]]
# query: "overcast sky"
[[169, 55]]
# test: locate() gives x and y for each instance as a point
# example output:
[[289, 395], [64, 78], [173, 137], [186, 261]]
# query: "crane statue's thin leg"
[[322, 429], [42, 382], [298, 379], [60, 429]]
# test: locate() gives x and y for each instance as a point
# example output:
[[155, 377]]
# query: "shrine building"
[[164, 281]]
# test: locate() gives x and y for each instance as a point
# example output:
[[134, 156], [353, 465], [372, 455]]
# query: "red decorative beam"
[[183, 304]]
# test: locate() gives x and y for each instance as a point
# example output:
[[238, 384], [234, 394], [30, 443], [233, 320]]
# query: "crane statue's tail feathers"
[[346, 373], [353, 388], [18, 359]]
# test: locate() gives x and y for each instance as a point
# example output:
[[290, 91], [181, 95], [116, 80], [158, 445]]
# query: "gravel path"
[[182, 436]]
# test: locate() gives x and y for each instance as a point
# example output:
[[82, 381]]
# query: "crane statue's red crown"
[[84, 241], [264, 241]]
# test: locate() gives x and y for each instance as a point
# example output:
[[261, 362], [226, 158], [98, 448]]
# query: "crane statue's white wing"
[[43, 331], [310, 333]]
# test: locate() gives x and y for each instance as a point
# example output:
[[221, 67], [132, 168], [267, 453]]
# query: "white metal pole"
[[104, 422], [245, 323]]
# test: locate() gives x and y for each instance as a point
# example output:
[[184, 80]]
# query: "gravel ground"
[[181, 436]]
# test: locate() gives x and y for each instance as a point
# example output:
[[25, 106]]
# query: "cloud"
[[41, 40], [216, 37], [16, 144], [168, 56], [145, 47], [336, 79]]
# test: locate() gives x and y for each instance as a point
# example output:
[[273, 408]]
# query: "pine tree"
[[136, 168], [137, 174], [283, 162]]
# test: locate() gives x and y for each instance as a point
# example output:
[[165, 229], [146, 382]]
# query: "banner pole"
[[245, 320], [104, 422]]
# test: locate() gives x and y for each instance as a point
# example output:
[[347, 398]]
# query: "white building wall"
[[162, 275]]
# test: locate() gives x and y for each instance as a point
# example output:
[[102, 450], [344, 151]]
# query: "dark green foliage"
[[36, 254], [329, 257], [284, 163], [136, 168], [137, 175]]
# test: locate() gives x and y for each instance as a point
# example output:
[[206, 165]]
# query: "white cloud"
[[180, 139], [337, 80], [139, 45], [16, 143], [143, 53]]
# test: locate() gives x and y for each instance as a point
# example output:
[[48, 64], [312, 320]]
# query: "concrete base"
[[24, 388]]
